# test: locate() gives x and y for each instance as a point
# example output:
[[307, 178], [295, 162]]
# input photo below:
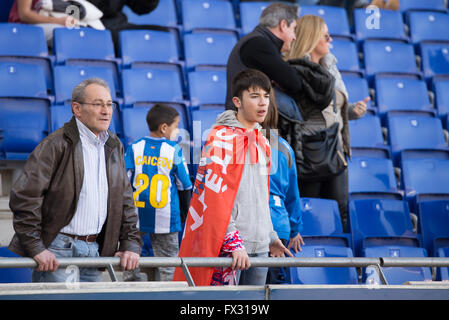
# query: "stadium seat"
[[208, 48], [410, 137], [336, 18], [60, 114], [372, 178], [13, 275], [390, 26], [389, 57], [419, 5], [346, 53], [323, 275], [86, 47], [428, 26], [442, 272], [203, 118], [358, 90], [433, 222], [322, 223], [139, 47], [399, 275], [367, 138], [441, 94], [435, 59], [67, 77], [24, 109], [207, 14], [145, 85], [250, 12], [29, 46], [425, 179], [402, 96], [164, 15], [207, 87], [375, 222]]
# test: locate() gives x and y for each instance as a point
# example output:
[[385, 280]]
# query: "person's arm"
[[358, 109], [259, 53], [26, 14]]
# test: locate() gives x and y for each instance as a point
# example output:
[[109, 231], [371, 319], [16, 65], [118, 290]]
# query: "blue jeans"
[[67, 247], [253, 276]]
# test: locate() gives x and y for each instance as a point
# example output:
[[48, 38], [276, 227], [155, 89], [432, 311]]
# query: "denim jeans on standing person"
[[67, 247], [253, 276]]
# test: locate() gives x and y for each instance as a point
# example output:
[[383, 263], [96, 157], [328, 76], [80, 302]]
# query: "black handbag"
[[322, 155]]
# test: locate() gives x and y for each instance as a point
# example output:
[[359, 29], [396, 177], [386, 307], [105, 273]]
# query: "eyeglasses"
[[327, 37], [98, 105]]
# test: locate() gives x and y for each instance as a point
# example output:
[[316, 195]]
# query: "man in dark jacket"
[[262, 49], [73, 198]]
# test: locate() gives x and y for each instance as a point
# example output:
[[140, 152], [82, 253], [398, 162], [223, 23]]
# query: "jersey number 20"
[[158, 190]]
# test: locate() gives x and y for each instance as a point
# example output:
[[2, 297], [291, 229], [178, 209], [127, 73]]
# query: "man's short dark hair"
[[247, 79], [159, 114], [272, 15]]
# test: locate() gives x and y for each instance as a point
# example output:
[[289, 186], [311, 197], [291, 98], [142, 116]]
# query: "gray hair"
[[276, 12], [78, 93]]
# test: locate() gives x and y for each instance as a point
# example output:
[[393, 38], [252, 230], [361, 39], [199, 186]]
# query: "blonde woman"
[[310, 56]]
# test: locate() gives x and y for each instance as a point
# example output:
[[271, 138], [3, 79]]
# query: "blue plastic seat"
[[425, 179], [164, 15], [86, 47], [399, 275], [148, 46], [441, 91], [428, 26], [443, 273], [372, 178], [435, 59], [323, 275], [24, 109], [322, 223], [207, 87], [26, 44], [207, 14], [346, 53], [208, 48], [411, 136], [434, 225], [150, 84], [336, 18], [13, 275], [375, 222], [250, 12], [402, 96], [389, 57], [391, 25], [358, 90], [67, 77], [428, 5], [367, 137]]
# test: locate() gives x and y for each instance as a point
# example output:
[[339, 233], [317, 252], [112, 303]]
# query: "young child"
[[229, 214], [157, 170]]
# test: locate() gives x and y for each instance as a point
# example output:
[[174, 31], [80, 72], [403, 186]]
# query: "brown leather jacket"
[[45, 197]]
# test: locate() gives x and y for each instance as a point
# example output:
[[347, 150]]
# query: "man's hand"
[[296, 243], [277, 249], [128, 260], [240, 260], [46, 261]]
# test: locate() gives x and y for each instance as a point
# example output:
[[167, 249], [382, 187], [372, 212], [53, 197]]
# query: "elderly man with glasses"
[[73, 198]]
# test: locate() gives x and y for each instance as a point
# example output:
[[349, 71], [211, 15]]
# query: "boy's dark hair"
[[247, 79], [161, 113]]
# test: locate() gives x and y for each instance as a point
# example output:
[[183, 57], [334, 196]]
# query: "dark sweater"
[[261, 50]]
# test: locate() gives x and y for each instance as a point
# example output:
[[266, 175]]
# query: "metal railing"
[[187, 262]]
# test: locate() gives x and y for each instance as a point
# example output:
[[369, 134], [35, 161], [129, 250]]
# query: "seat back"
[[250, 12], [435, 59], [428, 26], [367, 137], [391, 25], [434, 224], [347, 55], [336, 18], [207, 87], [13, 275], [210, 14], [164, 15]]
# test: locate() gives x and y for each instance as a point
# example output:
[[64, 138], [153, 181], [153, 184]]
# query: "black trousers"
[[334, 187]]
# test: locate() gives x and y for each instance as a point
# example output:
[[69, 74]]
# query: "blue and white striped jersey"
[[157, 170]]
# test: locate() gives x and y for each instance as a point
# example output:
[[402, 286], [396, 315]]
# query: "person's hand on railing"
[[46, 261], [240, 260], [128, 260]]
